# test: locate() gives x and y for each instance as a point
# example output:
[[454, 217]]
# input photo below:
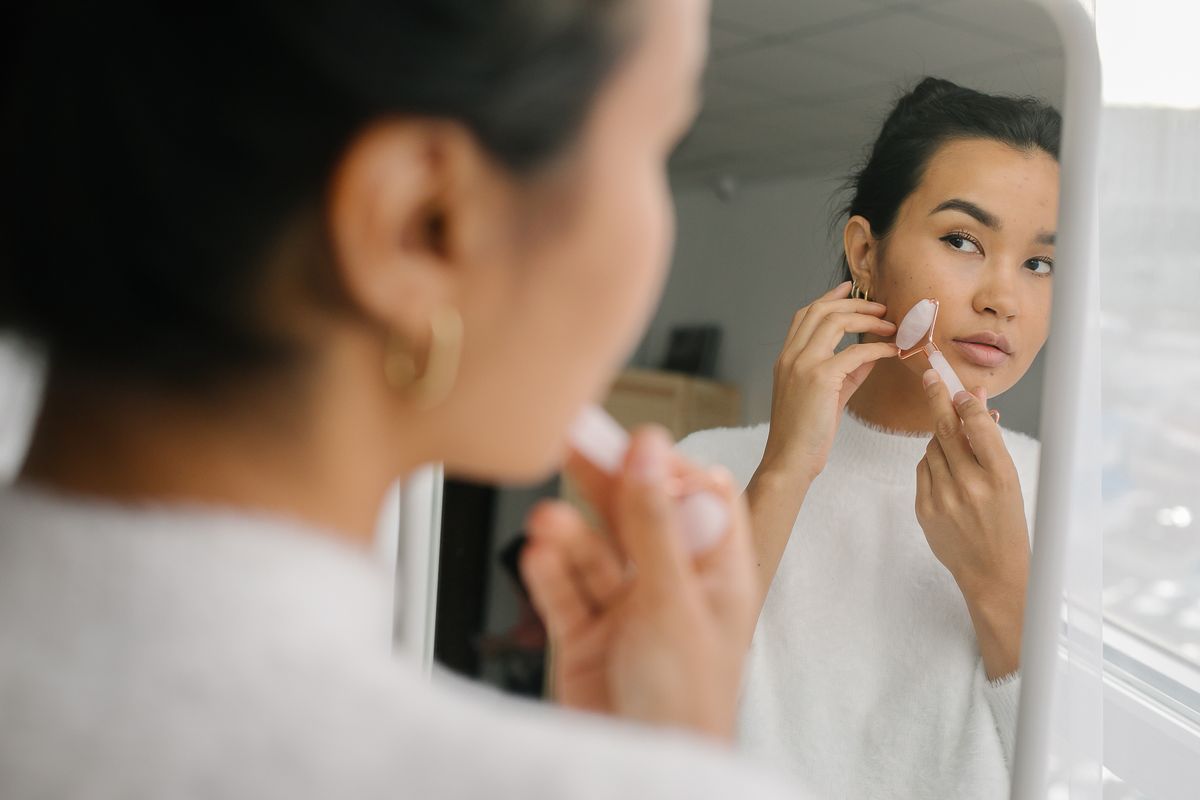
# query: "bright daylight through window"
[[1150, 271]]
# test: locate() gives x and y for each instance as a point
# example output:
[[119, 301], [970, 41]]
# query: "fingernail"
[[649, 461], [720, 475], [962, 398], [995, 416], [930, 378], [704, 520]]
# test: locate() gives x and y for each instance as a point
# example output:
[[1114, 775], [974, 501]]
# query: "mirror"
[[874, 668]]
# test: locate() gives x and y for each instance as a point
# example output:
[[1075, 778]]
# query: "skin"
[[991, 284], [991, 275], [554, 275]]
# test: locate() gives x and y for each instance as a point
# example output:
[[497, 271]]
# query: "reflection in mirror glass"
[[852, 160]]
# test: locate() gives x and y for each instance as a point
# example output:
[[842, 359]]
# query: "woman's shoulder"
[[1026, 451], [737, 449]]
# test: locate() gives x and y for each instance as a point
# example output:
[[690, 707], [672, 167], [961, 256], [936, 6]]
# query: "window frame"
[[1151, 727]]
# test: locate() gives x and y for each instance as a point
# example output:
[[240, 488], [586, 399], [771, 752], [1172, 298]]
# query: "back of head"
[[150, 155]]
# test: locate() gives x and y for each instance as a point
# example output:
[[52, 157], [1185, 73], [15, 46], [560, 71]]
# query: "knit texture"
[[199, 653], [864, 675]]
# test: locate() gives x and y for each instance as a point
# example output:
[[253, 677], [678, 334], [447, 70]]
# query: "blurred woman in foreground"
[[278, 255]]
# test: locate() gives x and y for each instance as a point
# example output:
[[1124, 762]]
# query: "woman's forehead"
[[1009, 183]]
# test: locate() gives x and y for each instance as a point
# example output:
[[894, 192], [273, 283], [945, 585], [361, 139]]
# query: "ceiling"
[[799, 87]]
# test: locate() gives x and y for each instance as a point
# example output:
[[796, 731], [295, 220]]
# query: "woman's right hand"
[[813, 382], [641, 628]]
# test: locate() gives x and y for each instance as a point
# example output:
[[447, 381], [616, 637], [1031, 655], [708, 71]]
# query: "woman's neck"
[[893, 398], [257, 451]]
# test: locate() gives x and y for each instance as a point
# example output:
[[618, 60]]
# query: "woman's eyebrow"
[[1045, 237], [970, 209]]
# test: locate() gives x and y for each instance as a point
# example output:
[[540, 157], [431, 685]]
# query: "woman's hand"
[[970, 506], [813, 382], [640, 628]]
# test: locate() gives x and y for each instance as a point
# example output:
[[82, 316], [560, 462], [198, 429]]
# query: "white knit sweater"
[[864, 675], [197, 653]]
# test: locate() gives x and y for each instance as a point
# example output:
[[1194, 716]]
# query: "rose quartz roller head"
[[915, 335], [602, 441]]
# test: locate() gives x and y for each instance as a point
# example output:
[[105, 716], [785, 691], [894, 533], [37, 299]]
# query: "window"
[[1150, 371]]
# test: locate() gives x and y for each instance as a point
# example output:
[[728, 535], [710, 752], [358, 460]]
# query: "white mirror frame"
[[1069, 478], [1068, 487], [417, 562]]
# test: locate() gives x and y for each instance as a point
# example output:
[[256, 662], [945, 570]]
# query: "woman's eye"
[[961, 243], [1040, 266]]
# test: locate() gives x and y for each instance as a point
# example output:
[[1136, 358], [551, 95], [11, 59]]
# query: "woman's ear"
[[861, 249], [390, 219]]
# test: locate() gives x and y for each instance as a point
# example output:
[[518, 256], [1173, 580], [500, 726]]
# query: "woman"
[[280, 254], [894, 562]]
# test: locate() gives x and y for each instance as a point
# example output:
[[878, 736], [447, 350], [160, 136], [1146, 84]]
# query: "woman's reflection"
[[885, 662]]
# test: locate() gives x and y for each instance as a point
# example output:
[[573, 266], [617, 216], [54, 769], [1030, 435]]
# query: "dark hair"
[[149, 155], [935, 112]]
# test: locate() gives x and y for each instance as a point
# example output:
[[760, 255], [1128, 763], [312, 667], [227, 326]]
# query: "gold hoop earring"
[[441, 367], [858, 293]]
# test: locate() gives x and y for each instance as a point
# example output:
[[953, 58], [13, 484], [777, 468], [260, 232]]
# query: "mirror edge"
[[1068, 483]]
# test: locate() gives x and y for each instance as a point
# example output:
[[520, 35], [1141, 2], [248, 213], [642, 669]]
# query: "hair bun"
[[931, 88], [929, 91]]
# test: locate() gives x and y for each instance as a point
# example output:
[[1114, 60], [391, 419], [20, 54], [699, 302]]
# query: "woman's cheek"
[[651, 218]]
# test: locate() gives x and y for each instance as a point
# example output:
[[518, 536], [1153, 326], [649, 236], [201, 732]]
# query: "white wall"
[[749, 264]]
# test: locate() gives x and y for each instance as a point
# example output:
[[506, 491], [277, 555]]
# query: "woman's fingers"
[[856, 361], [820, 312], [720, 483], [725, 573], [839, 292], [645, 519], [947, 426], [939, 466], [553, 589], [856, 355], [599, 488], [595, 485], [829, 333], [924, 487], [984, 434], [836, 300], [592, 560]]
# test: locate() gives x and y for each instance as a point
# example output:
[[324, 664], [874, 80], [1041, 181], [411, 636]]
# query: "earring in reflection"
[[441, 364], [857, 292]]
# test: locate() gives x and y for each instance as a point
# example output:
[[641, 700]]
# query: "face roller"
[[915, 335], [602, 441]]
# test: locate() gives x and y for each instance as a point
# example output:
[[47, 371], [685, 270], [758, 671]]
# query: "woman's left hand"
[[970, 506], [641, 628]]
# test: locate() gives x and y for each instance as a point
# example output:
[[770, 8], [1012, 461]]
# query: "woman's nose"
[[997, 294]]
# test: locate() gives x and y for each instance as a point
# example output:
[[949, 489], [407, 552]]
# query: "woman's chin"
[[994, 380], [521, 466]]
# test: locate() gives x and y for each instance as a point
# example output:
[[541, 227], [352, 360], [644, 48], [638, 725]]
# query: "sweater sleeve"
[[1002, 695]]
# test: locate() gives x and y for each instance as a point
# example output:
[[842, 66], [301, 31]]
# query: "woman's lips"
[[982, 355]]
